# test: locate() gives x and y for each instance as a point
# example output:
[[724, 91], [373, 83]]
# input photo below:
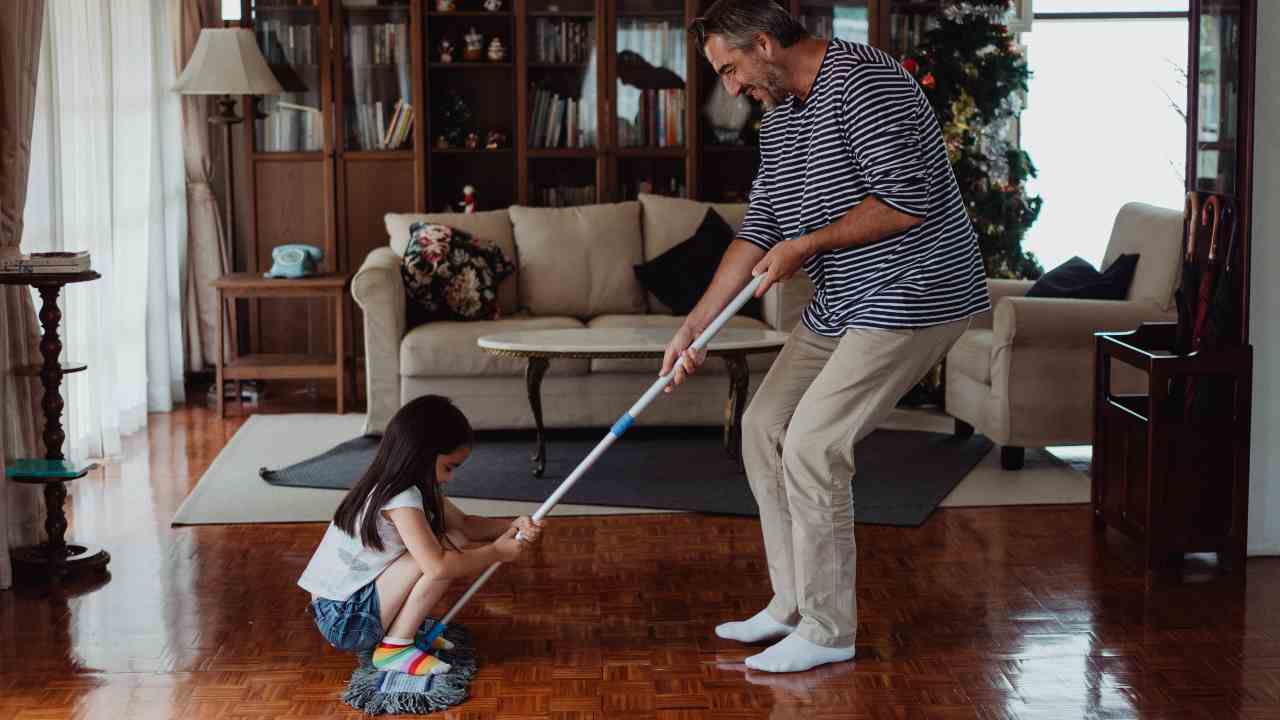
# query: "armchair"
[[1023, 374]]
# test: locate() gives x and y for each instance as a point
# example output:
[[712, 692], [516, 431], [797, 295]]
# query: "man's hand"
[[678, 350], [782, 261]]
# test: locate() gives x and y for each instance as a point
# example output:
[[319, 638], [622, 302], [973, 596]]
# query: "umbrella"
[[1187, 293], [1222, 320], [1204, 292]]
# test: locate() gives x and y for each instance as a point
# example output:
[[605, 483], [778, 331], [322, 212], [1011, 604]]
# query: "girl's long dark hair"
[[423, 429]]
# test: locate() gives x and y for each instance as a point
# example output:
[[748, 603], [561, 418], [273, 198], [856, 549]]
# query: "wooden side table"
[[283, 366], [55, 556]]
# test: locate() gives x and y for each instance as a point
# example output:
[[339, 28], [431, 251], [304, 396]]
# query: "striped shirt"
[[867, 129]]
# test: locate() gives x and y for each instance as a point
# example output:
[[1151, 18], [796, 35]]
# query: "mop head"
[[382, 692]]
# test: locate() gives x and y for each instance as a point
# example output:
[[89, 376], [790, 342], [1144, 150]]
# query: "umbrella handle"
[[1212, 204], [1192, 210]]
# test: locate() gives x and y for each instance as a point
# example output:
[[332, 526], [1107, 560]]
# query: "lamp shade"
[[227, 62]]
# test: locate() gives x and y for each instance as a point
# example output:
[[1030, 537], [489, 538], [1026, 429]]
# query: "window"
[[1105, 120], [231, 10]]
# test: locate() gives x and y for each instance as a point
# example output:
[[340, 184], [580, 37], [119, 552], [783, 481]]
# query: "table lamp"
[[227, 62]]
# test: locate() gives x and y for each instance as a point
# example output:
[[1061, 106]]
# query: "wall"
[[1264, 298]]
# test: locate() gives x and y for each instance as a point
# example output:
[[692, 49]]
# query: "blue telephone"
[[294, 261]]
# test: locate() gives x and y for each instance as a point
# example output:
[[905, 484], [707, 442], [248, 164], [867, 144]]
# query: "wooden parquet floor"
[[981, 613]]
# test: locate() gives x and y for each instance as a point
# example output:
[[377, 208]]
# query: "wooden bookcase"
[[315, 170]]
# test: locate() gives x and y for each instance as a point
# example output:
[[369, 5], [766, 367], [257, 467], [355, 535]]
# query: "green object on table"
[[30, 467]]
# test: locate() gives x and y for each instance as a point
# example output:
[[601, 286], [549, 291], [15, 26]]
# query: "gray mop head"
[[379, 692]]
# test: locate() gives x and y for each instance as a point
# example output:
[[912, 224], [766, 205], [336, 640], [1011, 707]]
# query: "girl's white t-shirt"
[[343, 565]]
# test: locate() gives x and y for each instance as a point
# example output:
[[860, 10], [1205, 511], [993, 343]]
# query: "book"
[[47, 262], [40, 468]]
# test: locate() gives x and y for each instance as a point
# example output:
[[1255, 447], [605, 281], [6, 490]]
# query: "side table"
[[282, 366], [55, 556]]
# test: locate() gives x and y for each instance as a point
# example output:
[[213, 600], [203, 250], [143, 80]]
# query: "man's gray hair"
[[739, 21]]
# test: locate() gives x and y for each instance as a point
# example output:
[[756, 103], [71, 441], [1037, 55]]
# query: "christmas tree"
[[975, 77]]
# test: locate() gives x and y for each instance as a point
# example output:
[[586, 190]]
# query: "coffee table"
[[539, 347]]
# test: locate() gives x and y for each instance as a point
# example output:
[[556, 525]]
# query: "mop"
[[377, 692]]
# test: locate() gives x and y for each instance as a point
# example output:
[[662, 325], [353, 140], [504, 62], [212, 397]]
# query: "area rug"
[[902, 474], [231, 490]]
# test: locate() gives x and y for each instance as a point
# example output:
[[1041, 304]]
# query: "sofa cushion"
[[679, 277], [1076, 278], [449, 349], [668, 221], [577, 261], [756, 363], [971, 355], [492, 226], [450, 276]]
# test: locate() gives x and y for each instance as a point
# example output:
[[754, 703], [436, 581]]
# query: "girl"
[[367, 592]]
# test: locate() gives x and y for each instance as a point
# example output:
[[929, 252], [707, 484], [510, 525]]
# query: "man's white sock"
[[756, 628], [795, 654]]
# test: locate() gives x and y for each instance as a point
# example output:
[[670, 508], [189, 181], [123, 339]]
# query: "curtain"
[[206, 259], [108, 177], [21, 507]]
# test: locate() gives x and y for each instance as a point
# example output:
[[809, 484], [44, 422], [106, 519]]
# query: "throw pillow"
[[1076, 278], [449, 276], [679, 276]]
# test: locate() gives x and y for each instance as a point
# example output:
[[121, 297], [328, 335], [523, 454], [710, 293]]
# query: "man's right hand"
[[681, 357]]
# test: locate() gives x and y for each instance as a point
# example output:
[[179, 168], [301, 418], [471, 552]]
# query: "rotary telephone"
[[294, 261]]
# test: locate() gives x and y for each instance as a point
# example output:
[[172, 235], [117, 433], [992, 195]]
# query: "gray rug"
[[902, 475]]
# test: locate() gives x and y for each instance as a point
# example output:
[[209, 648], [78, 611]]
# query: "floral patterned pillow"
[[448, 275]]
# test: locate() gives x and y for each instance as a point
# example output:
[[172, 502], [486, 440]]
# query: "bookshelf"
[[584, 101]]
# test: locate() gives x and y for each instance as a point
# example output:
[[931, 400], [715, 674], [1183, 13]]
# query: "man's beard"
[[773, 90]]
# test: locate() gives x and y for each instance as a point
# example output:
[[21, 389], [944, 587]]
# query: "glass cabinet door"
[[651, 61], [563, 74], [289, 35], [377, 98], [1217, 96], [843, 19]]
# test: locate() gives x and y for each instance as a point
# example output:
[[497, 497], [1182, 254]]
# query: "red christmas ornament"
[[928, 81], [910, 66]]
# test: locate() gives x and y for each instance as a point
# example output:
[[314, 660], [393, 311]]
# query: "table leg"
[[533, 381], [51, 372], [222, 356], [739, 379], [340, 348]]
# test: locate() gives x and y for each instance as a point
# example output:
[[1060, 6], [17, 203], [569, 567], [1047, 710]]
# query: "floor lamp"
[[227, 62]]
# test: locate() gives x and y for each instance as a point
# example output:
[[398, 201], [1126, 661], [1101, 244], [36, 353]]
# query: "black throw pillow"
[[1076, 278], [679, 276]]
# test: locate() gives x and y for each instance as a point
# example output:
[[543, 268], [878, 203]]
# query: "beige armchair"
[[1023, 374]]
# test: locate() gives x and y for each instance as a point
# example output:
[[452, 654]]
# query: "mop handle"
[[615, 432]]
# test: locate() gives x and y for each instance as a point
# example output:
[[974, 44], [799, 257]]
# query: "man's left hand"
[[782, 261]]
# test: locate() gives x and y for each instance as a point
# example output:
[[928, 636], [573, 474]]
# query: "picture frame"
[[1020, 16]]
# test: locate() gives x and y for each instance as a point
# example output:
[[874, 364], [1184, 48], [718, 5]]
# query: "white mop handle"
[[616, 432]]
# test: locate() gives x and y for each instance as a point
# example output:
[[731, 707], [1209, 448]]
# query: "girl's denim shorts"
[[352, 625]]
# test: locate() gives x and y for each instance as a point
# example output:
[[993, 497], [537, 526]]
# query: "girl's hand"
[[530, 531], [508, 547]]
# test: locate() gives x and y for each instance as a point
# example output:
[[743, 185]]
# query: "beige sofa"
[[574, 269], [1023, 374]]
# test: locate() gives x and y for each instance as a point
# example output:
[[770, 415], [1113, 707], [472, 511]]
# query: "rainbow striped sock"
[[391, 654]]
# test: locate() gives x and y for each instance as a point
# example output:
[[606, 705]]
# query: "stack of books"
[[69, 263]]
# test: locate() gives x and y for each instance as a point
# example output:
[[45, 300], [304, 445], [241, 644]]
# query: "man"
[[854, 186]]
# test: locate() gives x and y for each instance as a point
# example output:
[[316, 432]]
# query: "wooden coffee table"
[[539, 347]]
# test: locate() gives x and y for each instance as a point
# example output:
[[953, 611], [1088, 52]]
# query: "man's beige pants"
[[820, 398]]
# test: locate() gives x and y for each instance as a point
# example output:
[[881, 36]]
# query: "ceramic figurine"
[[495, 139], [474, 49], [496, 51], [493, 5], [445, 6], [473, 141], [442, 142], [446, 50], [468, 203], [553, 7]]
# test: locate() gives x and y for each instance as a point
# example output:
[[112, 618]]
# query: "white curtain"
[[107, 176]]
